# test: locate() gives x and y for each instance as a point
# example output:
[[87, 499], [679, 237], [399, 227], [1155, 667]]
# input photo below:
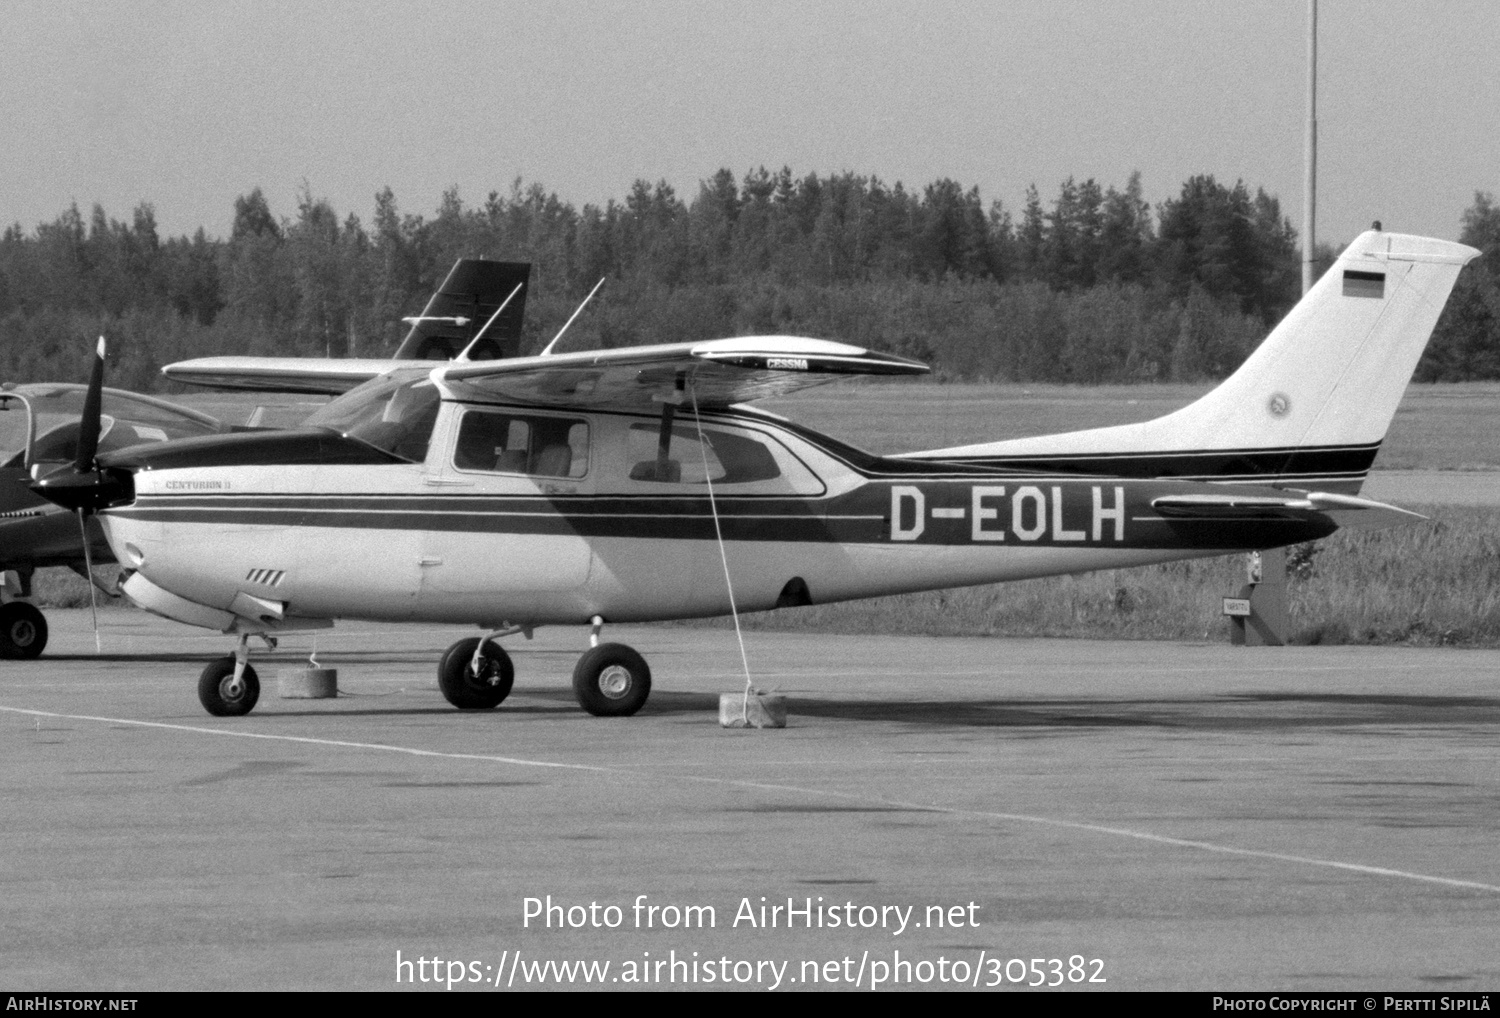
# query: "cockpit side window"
[[509, 443]]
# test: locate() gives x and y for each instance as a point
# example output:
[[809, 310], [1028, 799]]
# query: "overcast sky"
[[187, 105]]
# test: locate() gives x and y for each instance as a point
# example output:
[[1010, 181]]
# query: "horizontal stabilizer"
[[1344, 510]]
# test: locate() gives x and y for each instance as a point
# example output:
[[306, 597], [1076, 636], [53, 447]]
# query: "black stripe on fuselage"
[[1246, 465], [862, 516], [1200, 464]]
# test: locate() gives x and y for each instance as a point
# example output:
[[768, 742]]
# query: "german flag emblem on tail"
[[1364, 284]]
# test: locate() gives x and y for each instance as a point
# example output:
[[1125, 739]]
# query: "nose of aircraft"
[[82, 484]]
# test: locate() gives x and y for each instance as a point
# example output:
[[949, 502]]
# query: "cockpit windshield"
[[395, 413]]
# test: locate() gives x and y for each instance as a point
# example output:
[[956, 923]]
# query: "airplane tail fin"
[[1309, 407], [462, 309]]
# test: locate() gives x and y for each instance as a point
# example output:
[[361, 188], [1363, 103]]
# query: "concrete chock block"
[[308, 683], [764, 710]]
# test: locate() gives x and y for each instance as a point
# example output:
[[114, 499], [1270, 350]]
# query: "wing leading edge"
[[717, 373], [329, 376]]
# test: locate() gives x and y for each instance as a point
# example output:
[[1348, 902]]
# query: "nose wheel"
[[229, 687], [225, 694]]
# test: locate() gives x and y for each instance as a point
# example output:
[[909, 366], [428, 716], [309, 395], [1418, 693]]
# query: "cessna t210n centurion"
[[628, 485]]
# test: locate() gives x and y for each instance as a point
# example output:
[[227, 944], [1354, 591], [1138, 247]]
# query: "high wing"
[[329, 376], [717, 373], [1345, 510]]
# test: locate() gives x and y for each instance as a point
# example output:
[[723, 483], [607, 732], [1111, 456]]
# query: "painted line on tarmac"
[[1123, 832], [339, 743], [1074, 825]]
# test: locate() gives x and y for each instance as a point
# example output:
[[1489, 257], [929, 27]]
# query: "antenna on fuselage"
[[464, 353], [547, 350]]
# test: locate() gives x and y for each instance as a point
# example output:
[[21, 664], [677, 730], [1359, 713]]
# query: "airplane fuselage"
[[620, 522]]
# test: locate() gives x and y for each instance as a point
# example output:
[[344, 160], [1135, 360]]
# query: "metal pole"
[[1310, 178], [1268, 623]]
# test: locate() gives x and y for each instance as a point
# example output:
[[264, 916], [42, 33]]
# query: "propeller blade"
[[81, 486], [89, 424]]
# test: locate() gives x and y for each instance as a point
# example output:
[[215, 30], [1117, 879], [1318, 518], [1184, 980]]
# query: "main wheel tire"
[[468, 691], [23, 630], [214, 692], [612, 681]]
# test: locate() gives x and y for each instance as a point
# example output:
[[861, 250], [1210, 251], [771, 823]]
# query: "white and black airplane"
[[586, 488]]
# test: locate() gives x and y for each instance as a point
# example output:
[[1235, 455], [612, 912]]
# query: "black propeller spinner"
[[82, 486]]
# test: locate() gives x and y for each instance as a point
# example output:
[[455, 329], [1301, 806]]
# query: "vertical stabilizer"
[[474, 290], [1322, 386]]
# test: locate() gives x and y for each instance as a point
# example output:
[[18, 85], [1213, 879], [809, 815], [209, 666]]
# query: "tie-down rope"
[[723, 557]]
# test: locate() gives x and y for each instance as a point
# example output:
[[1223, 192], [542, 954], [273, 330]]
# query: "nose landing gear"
[[224, 693], [229, 686]]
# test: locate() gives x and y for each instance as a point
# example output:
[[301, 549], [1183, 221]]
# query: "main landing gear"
[[476, 674], [610, 679]]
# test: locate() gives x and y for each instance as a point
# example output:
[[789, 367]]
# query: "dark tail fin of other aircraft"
[[1308, 408], [464, 308]]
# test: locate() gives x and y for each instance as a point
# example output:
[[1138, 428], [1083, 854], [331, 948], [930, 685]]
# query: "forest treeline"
[[1091, 286]]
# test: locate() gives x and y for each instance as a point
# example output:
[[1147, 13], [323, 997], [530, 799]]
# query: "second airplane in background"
[[475, 315]]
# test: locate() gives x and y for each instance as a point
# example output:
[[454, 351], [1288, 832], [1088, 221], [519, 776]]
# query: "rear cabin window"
[[723, 457], [505, 443]]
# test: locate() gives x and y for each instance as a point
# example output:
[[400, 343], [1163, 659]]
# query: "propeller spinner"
[[82, 486]]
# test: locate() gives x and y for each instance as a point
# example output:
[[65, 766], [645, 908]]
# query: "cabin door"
[[505, 497]]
